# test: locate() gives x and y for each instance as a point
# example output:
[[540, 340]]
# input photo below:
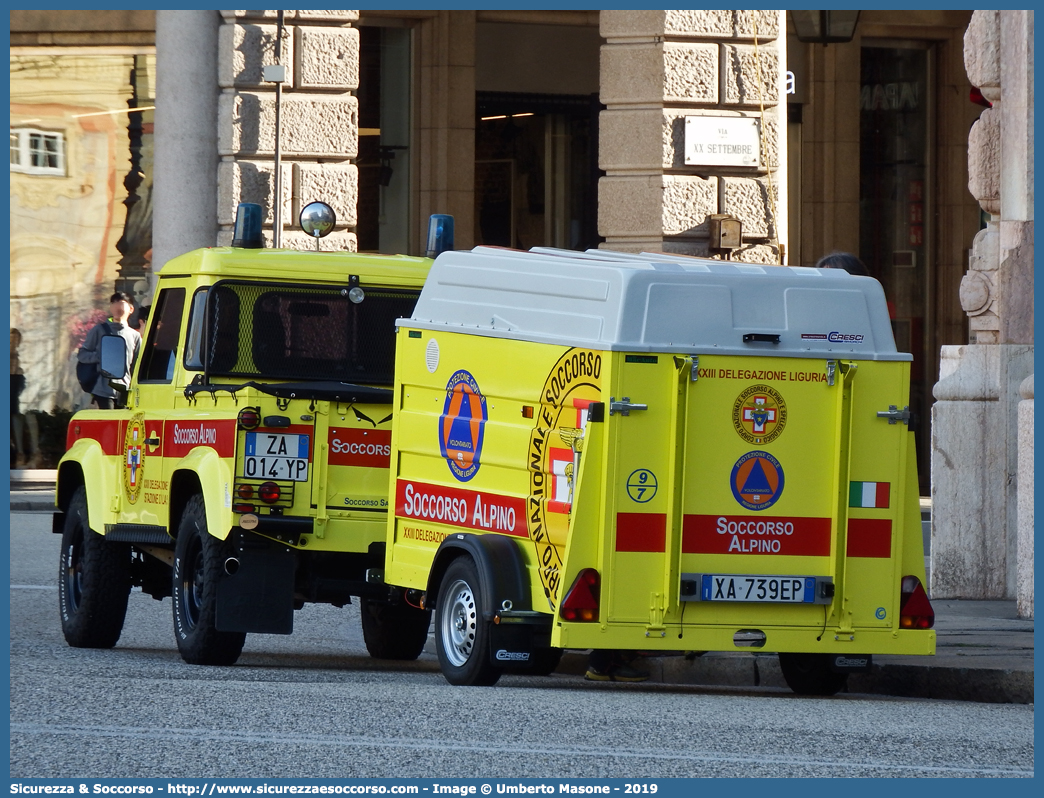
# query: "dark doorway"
[[536, 170], [896, 207]]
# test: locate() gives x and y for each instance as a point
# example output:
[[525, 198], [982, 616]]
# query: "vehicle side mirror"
[[113, 353]]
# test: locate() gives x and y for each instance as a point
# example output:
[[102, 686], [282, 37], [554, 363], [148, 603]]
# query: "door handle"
[[765, 338]]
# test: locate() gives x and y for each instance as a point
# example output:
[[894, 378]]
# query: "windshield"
[[299, 333]]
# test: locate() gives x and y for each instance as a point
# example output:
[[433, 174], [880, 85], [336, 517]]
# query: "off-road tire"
[[199, 561], [810, 674], [394, 631], [461, 636], [94, 581]]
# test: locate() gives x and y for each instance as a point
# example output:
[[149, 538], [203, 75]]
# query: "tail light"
[[245, 491], [581, 602], [249, 418], [915, 610], [268, 492]]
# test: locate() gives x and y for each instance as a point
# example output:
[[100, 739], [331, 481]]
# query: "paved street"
[[314, 704]]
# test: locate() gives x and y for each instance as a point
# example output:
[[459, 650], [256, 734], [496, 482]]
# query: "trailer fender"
[[204, 466], [85, 463], [501, 569]]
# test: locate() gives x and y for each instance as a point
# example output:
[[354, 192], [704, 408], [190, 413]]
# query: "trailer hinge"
[[894, 414], [831, 371], [624, 406]]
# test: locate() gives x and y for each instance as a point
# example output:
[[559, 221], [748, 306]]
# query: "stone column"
[[1025, 547], [657, 67], [446, 124], [976, 420], [319, 120], [184, 201]]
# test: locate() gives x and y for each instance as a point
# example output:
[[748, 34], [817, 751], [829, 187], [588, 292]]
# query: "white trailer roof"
[[652, 302]]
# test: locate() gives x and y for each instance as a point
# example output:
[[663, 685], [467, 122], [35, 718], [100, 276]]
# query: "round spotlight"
[[357, 295]]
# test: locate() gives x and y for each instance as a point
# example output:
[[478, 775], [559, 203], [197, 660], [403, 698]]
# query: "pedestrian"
[[610, 665], [21, 423], [843, 260], [121, 306]]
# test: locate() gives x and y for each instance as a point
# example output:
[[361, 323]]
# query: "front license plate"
[[777, 589], [274, 455]]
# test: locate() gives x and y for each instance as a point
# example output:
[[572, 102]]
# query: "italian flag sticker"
[[868, 494]]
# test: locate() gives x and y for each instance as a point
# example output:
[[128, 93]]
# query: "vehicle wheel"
[[461, 636], [810, 674], [199, 560], [94, 581], [394, 631], [545, 661]]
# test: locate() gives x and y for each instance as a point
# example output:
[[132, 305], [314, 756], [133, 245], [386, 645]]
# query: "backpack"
[[87, 373]]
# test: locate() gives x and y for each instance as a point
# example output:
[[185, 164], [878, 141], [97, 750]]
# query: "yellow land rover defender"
[[248, 472]]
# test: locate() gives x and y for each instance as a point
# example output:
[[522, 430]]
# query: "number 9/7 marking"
[[641, 485]]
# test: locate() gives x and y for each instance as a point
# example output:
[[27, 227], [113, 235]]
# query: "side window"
[[194, 344], [160, 351], [213, 331]]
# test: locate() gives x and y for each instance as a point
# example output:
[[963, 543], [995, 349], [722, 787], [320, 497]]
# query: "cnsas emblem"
[[462, 425], [134, 456], [757, 480], [759, 414]]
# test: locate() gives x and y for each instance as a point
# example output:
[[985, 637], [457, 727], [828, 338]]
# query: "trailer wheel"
[[461, 636], [810, 674], [94, 581], [394, 631], [199, 558]]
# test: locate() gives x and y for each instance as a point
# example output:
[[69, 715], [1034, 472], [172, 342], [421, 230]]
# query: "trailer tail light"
[[245, 491], [268, 492], [915, 610], [581, 602]]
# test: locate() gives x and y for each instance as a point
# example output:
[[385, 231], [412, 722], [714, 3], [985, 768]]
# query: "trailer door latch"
[[894, 414], [624, 406]]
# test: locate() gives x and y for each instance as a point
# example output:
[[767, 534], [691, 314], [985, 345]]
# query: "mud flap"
[[851, 663], [513, 646], [259, 595]]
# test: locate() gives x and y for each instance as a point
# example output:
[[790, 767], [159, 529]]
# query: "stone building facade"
[[982, 445]]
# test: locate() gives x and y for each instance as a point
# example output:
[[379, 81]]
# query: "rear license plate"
[[274, 455], [746, 587]]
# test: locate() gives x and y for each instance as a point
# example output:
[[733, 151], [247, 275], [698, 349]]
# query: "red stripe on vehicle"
[[361, 448], [641, 532], [753, 534], [869, 537], [108, 434], [460, 507], [181, 436]]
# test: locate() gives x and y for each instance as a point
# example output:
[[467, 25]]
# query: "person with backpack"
[[121, 306]]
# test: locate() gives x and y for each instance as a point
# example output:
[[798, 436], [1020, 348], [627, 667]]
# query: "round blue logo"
[[881, 613], [757, 480], [641, 485], [462, 425]]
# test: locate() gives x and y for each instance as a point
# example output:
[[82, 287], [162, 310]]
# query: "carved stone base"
[[975, 426]]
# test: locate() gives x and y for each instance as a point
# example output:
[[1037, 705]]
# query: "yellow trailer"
[[644, 452]]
